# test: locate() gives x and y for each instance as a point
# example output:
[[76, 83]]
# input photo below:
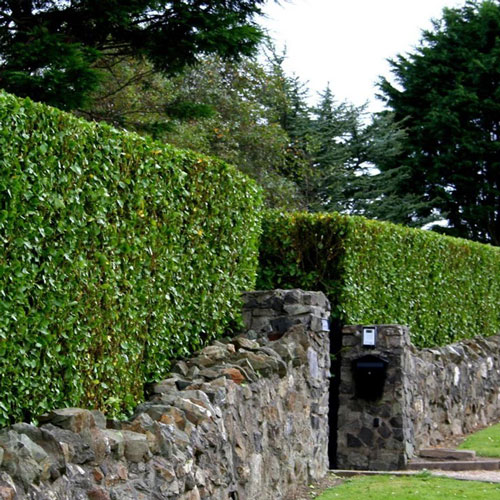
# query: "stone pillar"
[[374, 429], [269, 314], [273, 315]]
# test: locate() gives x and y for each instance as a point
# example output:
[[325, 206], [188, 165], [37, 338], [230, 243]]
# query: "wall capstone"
[[244, 418]]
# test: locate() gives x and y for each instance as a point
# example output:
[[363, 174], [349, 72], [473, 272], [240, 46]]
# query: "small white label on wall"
[[369, 336]]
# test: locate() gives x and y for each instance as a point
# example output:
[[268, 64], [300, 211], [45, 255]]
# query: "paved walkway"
[[490, 476]]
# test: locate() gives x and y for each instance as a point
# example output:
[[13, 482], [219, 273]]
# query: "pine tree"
[[335, 132], [448, 95], [49, 49], [344, 144]]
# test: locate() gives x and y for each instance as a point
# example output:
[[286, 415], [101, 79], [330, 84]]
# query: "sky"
[[346, 43]]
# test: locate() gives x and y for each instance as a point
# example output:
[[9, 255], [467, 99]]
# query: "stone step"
[[455, 465], [354, 473], [447, 454]]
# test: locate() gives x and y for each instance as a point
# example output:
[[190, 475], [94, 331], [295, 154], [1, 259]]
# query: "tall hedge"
[[117, 254], [444, 288]]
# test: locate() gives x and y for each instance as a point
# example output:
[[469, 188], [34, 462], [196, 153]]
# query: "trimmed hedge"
[[443, 288], [118, 255]]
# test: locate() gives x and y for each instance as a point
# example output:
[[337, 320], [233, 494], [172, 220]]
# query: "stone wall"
[[428, 396], [374, 433], [245, 418], [452, 390]]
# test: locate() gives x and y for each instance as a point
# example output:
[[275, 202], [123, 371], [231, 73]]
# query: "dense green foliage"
[[447, 96], [443, 288], [218, 107], [50, 49], [255, 116], [118, 254]]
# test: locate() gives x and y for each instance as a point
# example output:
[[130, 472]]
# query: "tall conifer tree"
[[448, 96], [49, 48]]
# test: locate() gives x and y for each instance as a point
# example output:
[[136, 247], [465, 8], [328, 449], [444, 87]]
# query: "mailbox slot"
[[369, 373]]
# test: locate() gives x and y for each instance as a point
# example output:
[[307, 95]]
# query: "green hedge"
[[118, 254], [444, 288]]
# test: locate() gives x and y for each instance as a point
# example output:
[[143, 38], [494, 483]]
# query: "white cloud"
[[346, 43]]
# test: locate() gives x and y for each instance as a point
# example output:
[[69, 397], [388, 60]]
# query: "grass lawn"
[[418, 487], [485, 443]]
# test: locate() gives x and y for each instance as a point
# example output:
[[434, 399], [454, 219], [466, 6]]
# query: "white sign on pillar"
[[369, 337]]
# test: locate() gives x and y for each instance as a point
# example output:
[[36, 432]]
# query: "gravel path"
[[490, 476]]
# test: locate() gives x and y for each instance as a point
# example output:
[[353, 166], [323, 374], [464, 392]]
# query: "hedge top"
[[444, 288]]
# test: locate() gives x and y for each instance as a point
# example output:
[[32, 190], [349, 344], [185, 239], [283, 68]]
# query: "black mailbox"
[[369, 373]]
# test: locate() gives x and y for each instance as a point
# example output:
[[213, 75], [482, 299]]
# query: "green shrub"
[[443, 288], [118, 254]]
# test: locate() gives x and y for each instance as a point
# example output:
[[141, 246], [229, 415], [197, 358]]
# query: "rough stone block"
[[99, 419], [72, 419], [235, 375], [23, 458], [136, 446], [319, 324], [269, 313], [7, 493], [242, 342], [293, 297], [195, 413], [166, 386], [116, 442], [98, 442], [283, 323], [194, 494], [447, 454], [298, 309], [156, 411], [98, 494]]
